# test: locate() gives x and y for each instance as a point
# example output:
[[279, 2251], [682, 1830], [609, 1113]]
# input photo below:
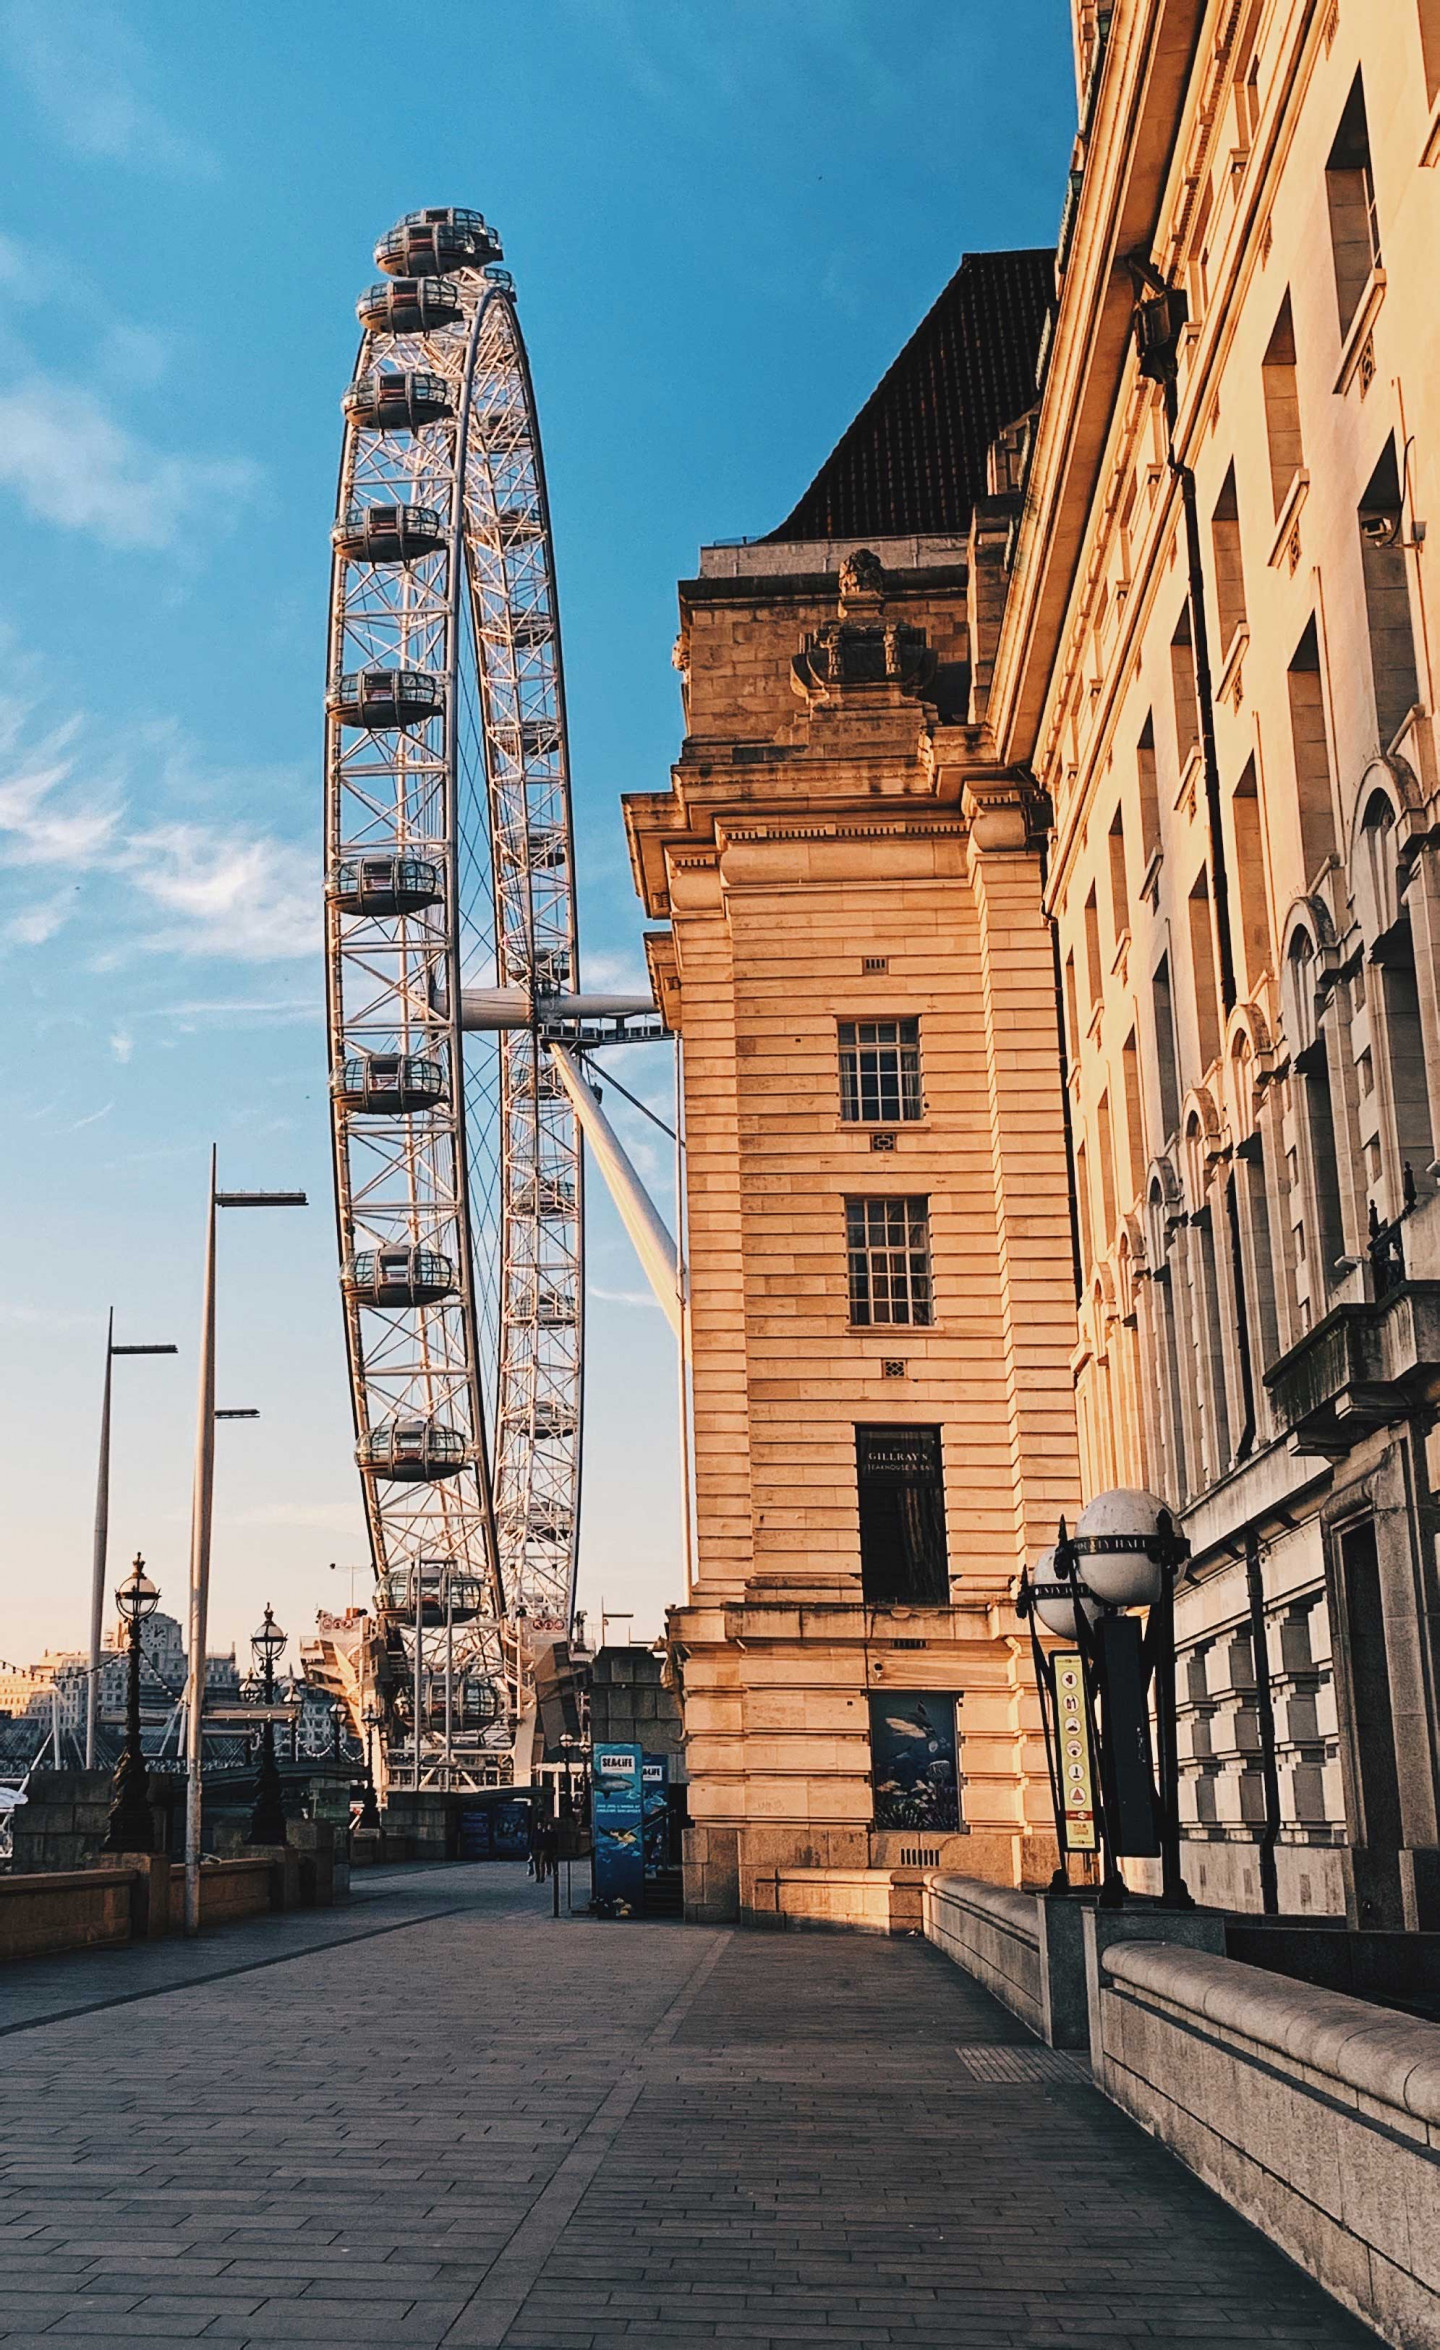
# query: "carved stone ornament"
[[849, 653], [862, 573]]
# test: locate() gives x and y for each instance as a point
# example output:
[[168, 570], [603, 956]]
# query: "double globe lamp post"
[[1096, 1693]]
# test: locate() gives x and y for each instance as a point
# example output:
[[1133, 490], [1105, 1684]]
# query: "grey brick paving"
[[439, 2118]]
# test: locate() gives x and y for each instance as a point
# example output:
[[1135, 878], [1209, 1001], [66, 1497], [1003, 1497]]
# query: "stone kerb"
[[1316, 2115]]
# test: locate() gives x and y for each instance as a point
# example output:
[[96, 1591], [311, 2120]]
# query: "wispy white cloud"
[[625, 1297], [122, 1045], [35, 923], [70, 462], [225, 892], [288, 1008], [86, 72], [181, 886]]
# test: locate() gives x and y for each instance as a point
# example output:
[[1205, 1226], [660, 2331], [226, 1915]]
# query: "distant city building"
[[55, 1689]]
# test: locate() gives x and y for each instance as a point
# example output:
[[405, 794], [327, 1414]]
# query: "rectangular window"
[[1229, 574], [888, 1242], [1282, 406], [1183, 688], [1430, 46], [1202, 964], [1093, 969], [1119, 882], [1072, 1010], [1250, 875], [1162, 997], [1082, 1210], [879, 1071], [903, 1561], [1134, 1126], [1387, 598], [914, 1766], [1106, 1149], [1312, 753], [1149, 789], [1350, 196]]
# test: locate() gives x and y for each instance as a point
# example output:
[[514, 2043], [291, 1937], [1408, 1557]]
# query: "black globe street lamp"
[[267, 1817], [131, 1828], [1126, 1552]]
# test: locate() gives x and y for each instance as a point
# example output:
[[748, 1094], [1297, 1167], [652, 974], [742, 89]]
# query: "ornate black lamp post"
[[267, 1819], [131, 1828], [370, 1808]]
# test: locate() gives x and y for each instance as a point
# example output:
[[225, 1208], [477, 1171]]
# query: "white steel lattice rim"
[[468, 1159]]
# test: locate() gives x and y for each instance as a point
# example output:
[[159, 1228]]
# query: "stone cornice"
[[1131, 142]]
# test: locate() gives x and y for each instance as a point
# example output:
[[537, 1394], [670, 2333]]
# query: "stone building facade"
[[855, 960], [1216, 659]]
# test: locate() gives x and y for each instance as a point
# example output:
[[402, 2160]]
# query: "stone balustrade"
[[1315, 2114], [141, 1896]]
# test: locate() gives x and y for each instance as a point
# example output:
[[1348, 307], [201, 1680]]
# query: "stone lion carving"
[[862, 574]]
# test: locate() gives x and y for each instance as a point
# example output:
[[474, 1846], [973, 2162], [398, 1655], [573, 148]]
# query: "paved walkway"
[[438, 2117]]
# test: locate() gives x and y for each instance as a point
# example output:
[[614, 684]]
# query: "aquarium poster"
[[656, 1805], [510, 1829], [618, 1824], [914, 1763]]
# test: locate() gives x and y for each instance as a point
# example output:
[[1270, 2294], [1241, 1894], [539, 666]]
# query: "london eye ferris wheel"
[[450, 907]]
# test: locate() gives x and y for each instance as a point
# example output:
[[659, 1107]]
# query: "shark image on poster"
[[914, 1768]]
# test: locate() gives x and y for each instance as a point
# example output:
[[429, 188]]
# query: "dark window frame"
[[880, 1074], [900, 1484], [888, 1261]]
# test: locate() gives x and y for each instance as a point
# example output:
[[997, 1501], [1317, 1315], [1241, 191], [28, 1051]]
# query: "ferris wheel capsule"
[[388, 534], [408, 305], [397, 1276], [386, 697], [391, 400], [412, 1452], [388, 1085], [385, 886], [425, 244]]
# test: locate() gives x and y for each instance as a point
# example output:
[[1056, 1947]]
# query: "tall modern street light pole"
[[102, 1532], [201, 1516]]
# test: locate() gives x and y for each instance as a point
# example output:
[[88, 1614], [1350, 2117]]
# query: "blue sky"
[[724, 217]]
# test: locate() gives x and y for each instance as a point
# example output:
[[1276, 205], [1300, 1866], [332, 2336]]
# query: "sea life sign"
[[617, 1817]]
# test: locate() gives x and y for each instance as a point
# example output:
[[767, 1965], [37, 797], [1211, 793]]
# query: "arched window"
[[1312, 1167], [1160, 1343], [1393, 1104], [1207, 1365], [1380, 876], [1250, 1196]]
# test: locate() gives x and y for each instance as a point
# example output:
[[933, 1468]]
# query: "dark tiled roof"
[[914, 458]]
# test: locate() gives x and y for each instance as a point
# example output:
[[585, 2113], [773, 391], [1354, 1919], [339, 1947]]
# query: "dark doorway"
[[1371, 1715]]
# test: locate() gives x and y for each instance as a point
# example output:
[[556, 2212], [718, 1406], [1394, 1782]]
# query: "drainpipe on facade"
[[1158, 325], [1265, 1716], [1077, 1269]]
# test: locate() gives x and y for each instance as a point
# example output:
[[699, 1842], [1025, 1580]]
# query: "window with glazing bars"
[[889, 1250], [879, 1071]]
